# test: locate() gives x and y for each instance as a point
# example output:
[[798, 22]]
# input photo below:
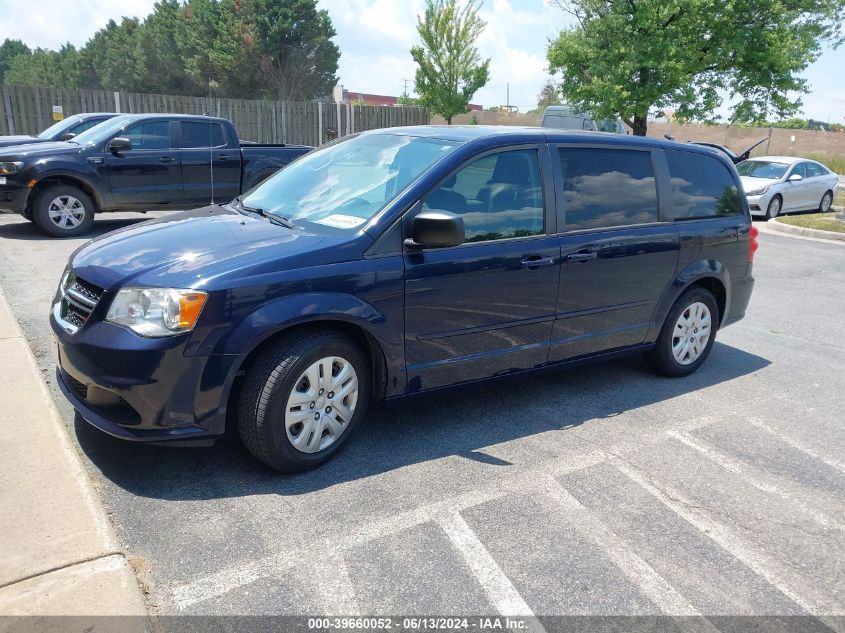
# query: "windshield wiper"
[[272, 217]]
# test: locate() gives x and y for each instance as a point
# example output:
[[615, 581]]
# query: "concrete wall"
[[807, 142]]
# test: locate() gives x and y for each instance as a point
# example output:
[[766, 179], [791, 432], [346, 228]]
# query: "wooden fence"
[[29, 110]]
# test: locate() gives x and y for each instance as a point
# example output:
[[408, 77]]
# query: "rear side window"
[[202, 134], [607, 187], [702, 187]]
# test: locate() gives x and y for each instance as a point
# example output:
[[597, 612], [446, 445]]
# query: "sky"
[[375, 36]]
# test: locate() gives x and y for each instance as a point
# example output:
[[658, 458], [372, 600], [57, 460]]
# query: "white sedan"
[[780, 184]]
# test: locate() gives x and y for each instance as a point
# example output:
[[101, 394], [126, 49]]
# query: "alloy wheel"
[[66, 212]]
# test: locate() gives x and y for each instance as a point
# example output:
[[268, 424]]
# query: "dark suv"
[[396, 262]]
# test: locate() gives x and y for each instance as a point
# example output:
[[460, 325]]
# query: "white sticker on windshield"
[[342, 221]]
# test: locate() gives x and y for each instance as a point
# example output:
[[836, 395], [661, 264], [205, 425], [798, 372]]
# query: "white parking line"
[[644, 577], [798, 445], [757, 562], [226, 580], [222, 582], [331, 577], [496, 585], [737, 467]]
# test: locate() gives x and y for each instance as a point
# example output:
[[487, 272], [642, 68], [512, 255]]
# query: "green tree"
[[10, 49], [160, 51], [630, 56], [449, 69], [109, 60], [46, 68], [298, 57], [549, 95]]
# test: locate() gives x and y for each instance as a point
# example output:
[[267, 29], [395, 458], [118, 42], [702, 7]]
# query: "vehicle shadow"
[[461, 422], [25, 230]]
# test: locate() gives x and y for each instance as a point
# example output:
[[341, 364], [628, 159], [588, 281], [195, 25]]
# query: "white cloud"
[[51, 23]]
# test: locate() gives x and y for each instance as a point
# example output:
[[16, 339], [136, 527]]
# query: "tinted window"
[[813, 170], [607, 187], [86, 125], [202, 134], [702, 186], [150, 135], [499, 196]]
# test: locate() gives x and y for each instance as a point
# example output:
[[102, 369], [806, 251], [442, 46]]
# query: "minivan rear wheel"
[[687, 335], [302, 397]]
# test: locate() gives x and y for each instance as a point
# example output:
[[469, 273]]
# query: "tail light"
[[753, 244]]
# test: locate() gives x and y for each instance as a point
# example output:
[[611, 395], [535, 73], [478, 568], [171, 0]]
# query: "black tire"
[[41, 210], [826, 201], [769, 214], [661, 357], [270, 381]]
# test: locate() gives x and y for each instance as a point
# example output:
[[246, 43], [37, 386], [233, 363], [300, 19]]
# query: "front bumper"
[[13, 199], [758, 205], [141, 389]]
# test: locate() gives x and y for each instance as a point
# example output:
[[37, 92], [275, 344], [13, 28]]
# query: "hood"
[[193, 249], [5, 141], [38, 149], [750, 183]]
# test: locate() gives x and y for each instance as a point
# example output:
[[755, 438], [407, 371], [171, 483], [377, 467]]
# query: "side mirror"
[[436, 229], [119, 144], [794, 178], [67, 136]]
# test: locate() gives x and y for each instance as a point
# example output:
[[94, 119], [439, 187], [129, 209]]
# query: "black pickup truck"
[[134, 162]]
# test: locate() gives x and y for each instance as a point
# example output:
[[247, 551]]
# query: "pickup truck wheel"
[[302, 397], [687, 335], [63, 211]]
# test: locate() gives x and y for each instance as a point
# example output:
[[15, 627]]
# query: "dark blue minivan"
[[396, 262]]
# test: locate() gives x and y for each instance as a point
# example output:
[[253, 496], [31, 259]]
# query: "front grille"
[[79, 298]]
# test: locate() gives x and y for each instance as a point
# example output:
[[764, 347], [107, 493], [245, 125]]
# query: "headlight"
[[757, 192], [10, 168], [157, 311]]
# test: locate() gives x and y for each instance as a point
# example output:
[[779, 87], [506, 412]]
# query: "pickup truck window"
[[499, 196], [101, 132], [345, 184], [150, 135], [702, 187], [607, 187], [202, 134]]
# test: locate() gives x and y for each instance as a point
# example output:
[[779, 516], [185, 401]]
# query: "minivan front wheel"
[[687, 335], [301, 399]]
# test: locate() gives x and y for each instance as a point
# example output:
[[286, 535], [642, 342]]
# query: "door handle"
[[165, 159], [581, 256], [537, 261], [223, 157]]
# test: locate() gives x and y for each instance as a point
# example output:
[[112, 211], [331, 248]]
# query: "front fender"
[[89, 177], [700, 269]]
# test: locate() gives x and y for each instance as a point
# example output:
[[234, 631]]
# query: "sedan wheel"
[[774, 208], [827, 200]]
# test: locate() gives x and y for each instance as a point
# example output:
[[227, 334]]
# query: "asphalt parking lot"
[[602, 490]]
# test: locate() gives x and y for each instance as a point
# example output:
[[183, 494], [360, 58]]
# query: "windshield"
[[59, 128], [762, 169], [345, 184], [101, 131]]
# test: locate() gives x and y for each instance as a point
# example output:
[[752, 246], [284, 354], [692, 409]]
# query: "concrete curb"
[[59, 554], [798, 231]]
